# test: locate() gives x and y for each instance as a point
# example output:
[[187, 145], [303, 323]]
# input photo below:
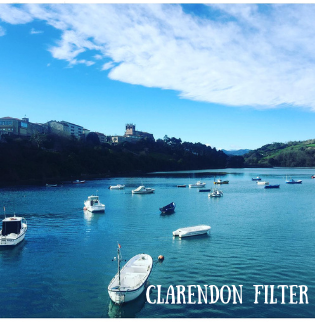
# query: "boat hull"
[[197, 186], [120, 297], [96, 209], [143, 192], [192, 231], [9, 241], [134, 276], [272, 186]]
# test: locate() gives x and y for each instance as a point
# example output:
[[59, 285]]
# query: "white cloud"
[[2, 31], [33, 31], [107, 66], [242, 55]]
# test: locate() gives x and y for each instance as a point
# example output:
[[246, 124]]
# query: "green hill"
[[291, 154]]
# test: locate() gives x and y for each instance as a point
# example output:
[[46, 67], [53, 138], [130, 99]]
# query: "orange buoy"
[[84, 208], [160, 257]]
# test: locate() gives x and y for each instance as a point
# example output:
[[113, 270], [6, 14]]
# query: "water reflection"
[[127, 310], [89, 217], [13, 252]]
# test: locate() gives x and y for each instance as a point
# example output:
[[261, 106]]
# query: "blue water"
[[258, 237]]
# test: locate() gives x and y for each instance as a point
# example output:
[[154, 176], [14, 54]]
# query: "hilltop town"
[[23, 127]]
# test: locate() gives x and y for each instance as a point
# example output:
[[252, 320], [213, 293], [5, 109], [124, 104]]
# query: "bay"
[[257, 237]]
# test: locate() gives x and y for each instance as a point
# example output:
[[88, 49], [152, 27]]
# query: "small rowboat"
[[168, 209], [272, 186]]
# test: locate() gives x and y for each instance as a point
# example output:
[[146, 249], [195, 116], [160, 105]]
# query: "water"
[[258, 237]]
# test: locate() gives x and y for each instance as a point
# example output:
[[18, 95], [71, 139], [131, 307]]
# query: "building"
[[67, 129], [21, 127], [137, 135]]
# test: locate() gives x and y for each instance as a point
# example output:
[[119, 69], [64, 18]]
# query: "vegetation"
[[45, 158], [291, 154]]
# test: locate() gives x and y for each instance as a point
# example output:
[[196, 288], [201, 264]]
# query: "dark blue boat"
[[204, 190], [168, 209], [272, 186], [256, 179]]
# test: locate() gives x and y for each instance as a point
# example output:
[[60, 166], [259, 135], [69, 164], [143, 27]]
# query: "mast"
[[119, 259]]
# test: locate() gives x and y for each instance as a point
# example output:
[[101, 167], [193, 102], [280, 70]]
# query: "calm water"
[[258, 236]]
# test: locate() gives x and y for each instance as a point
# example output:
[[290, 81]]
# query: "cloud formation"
[[241, 55]]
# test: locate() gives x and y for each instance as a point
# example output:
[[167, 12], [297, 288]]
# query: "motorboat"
[[78, 181], [204, 190], [119, 187], [292, 181], [129, 282], [216, 193], [256, 179], [221, 181], [168, 209], [93, 205], [313, 176], [51, 185], [262, 183], [143, 190], [198, 184], [192, 231], [272, 186], [181, 186], [13, 230]]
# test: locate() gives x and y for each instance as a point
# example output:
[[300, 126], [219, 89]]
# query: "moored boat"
[[292, 181], [168, 209], [204, 190], [13, 230], [93, 205], [119, 187], [143, 190], [181, 186], [220, 181], [262, 182], [216, 193], [272, 186], [198, 184], [313, 176], [78, 181], [256, 179], [192, 231], [129, 282], [51, 185]]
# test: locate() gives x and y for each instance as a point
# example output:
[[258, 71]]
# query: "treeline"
[[291, 154], [54, 158]]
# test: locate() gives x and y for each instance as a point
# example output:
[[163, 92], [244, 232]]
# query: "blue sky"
[[231, 76]]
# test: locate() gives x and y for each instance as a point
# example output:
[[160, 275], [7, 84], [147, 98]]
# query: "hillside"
[[51, 158], [236, 152], [291, 154]]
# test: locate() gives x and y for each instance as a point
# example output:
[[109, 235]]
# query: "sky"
[[234, 76]]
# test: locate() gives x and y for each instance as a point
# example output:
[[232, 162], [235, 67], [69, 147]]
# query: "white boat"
[[216, 193], [143, 190], [198, 184], [220, 181], [51, 185], [191, 231], [78, 181], [93, 205], [262, 183], [13, 230], [129, 282], [119, 186]]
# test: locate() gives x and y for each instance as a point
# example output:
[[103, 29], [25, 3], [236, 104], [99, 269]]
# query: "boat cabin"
[[11, 225]]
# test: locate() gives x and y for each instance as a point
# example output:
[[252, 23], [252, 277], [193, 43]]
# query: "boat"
[[181, 186], [313, 176], [204, 190], [129, 282], [262, 182], [272, 186], [216, 193], [292, 181], [93, 205], [51, 185], [78, 181], [192, 231], [256, 179], [143, 190], [198, 184], [119, 186], [13, 230], [168, 209], [221, 181]]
